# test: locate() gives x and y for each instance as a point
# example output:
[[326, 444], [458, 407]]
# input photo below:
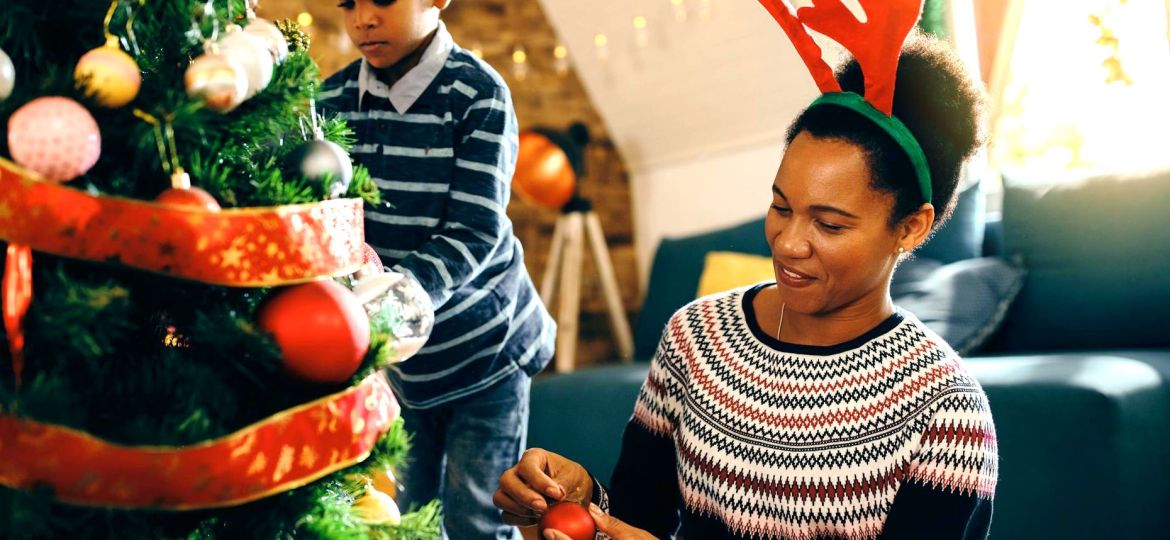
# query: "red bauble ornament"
[[191, 198], [322, 330], [544, 176], [570, 518]]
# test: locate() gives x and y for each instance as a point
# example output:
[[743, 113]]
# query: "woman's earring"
[[901, 250]]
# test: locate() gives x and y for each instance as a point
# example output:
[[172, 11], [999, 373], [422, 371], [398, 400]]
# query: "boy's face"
[[385, 31]]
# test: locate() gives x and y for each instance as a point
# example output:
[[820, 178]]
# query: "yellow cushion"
[[725, 270]]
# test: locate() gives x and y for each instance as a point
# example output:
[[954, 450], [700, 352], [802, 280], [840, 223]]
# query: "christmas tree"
[[193, 327]]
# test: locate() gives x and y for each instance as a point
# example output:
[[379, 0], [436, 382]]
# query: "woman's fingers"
[[520, 492], [534, 469]]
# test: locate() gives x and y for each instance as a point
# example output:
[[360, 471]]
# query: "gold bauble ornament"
[[217, 80], [377, 507], [251, 53], [108, 74], [383, 480]]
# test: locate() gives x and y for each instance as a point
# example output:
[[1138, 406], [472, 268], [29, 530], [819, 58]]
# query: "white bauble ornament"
[[218, 80], [271, 35], [7, 76], [252, 54]]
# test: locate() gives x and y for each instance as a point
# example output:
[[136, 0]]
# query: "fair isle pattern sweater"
[[738, 435], [441, 145]]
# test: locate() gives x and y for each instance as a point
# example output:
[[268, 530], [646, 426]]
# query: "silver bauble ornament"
[[218, 80], [324, 161], [252, 54], [7, 76], [402, 302]]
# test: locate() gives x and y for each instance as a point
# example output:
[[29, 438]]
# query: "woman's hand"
[[540, 476], [611, 526]]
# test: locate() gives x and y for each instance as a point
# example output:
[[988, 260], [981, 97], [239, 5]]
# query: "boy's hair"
[[936, 99]]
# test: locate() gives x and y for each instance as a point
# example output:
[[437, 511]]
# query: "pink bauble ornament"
[[54, 137], [321, 329]]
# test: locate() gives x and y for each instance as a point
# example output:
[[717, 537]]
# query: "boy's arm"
[[474, 222]]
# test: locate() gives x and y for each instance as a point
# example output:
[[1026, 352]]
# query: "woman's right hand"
[[540, 476]]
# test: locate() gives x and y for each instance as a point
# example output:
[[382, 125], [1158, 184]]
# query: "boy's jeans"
[[458, 451]]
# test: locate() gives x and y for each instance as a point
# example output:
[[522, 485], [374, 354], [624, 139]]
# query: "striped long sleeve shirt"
[[441, 144]]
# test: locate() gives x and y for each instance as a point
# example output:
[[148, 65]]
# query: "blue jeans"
[[458, 451]]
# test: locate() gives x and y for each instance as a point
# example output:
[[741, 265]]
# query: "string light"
[[561, 59], [519, 62], [704, 10], [680, 10], [641, 36], [601, 44], [477, 50], [305, 19]]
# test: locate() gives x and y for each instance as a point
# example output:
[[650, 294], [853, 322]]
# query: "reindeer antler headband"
[[876, 43]]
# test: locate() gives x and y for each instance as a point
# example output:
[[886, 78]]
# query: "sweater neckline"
[[749, 318]]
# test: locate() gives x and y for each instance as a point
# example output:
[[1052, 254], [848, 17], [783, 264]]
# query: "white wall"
[[698, 114], [697, 195]]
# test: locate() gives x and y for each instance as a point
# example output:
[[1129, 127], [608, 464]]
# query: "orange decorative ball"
[[544, 175], [322, 330], [569, 518]]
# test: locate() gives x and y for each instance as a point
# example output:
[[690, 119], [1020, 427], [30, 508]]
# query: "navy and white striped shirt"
[[441, 144]]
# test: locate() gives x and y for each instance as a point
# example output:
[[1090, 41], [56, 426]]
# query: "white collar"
[[408, 89]]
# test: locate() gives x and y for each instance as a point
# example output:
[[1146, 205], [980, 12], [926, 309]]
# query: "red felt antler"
[[875, 43], [808, 49]]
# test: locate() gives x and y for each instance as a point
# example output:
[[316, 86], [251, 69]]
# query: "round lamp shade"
[[544, 175]]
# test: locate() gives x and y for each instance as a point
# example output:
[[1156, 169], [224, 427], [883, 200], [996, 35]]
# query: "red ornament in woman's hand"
[[570, 518], [322, 330]]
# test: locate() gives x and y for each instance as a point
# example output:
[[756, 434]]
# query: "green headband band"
[[892, 126]]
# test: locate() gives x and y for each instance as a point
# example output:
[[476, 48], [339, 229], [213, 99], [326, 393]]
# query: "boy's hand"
[[539, 477]]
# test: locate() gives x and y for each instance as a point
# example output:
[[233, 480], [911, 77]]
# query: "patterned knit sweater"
[[738, 435]]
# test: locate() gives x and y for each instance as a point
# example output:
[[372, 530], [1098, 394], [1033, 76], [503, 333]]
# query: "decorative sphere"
[[407, 306], [7, 76], [55, 137], [544, 176], [271, 35], [377, 507], [324, 161], [321, 328], [189, 198], [218, 80], [252, 54], [109, 74], [570, 518]]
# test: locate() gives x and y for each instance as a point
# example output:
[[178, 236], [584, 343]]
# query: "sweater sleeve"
[[644, 489], [475, 224], [948, 490]]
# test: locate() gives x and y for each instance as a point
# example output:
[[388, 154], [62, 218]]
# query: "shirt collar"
[[408, 89]]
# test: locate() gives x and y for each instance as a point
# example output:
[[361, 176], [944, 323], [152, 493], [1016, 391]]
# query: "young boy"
[[436, 128]]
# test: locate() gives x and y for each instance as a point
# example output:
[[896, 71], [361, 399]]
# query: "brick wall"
[[544, 98]]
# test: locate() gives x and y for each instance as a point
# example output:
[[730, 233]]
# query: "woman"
[[812, 407]]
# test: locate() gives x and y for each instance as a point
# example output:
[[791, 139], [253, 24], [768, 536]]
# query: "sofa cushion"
[[961, 237], [1098, 254], [726, 270], [965, 302]]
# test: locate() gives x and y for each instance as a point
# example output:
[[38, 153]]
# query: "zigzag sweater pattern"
[[738, 435]]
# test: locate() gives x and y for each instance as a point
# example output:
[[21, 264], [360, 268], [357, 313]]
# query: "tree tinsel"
[[96, 358]]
